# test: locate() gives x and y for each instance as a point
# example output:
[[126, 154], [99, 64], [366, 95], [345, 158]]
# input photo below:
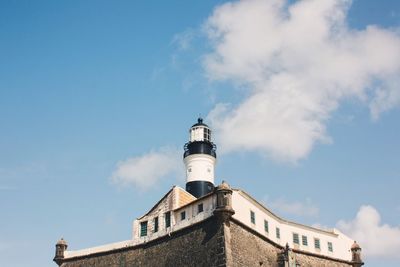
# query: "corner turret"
[[356, 255], [61, 247], [224, 208]]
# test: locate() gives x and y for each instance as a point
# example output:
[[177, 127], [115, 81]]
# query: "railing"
[[200, 147]]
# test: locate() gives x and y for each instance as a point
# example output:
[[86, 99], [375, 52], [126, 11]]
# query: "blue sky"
[[89, 86]]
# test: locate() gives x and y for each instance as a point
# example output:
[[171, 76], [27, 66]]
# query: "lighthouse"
[[199, 158], [180, 214]]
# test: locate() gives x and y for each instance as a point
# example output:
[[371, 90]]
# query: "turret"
[[224, 210], [200, 159], [61, 247], [356, 255]]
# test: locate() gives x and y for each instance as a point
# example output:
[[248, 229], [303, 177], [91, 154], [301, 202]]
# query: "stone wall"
[[249, 248], [209, 243], [197, 245], [309, 261]]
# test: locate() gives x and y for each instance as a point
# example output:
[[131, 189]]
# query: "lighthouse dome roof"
[[200, 123]]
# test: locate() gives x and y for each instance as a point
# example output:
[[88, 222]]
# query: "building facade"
[[206, 225]]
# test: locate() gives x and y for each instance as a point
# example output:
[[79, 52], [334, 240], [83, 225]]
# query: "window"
[[155, 224], [296, 239], [317, 244], [266, 226], [330, 247], [252, 217], [207, 134], [183, 215], [278, 233], [200, 208], [167, 219], [304, 240], [143, 228]]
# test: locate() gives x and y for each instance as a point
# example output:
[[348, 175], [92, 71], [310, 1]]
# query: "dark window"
[[330, 246], [278, 233], [252, 217], [167, 219], [296, 238], [266, 226], [155, 224], [304, 240], [200, 208], [183, 215], [207, 134], [143, 228], [317, 244]]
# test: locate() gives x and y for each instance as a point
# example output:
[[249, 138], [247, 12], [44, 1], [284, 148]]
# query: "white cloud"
[[375, 238], [146, 170], [184, 39], [281, 205], [298, 62]]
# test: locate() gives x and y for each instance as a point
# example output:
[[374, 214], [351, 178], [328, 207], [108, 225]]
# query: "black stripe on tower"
[[200, 147], [199, 188]]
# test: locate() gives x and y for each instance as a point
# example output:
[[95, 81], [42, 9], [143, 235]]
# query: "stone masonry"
[[197, 245], [213, 242]]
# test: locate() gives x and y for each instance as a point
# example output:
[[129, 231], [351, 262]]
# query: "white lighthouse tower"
[[199, 159]]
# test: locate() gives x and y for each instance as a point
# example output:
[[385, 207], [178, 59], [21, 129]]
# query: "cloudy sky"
[[96, 98]]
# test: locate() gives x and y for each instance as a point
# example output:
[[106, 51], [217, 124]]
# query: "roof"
[[355, 246], [190, 201], [62, 242], [155, 206], [184, 198], [281, 220], [195, 201], [224, 186], [199, 123]]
